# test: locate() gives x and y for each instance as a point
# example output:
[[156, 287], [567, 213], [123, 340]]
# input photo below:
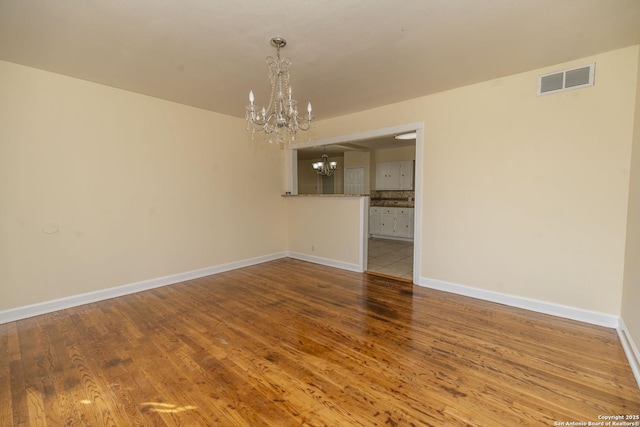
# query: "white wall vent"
[[566, 80]]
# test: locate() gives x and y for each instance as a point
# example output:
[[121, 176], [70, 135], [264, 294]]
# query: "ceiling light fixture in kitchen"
[[325, 167], [410, 135]]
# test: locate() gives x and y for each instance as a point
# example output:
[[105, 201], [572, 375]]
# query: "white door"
[[354, 181]]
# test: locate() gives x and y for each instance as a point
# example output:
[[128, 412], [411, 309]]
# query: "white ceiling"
[[348, 55], [337, 150]]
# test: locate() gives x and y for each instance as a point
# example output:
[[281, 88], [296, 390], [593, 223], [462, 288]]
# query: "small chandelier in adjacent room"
[[325, 167], [279, 120]]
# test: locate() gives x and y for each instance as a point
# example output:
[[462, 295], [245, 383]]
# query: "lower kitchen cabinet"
[[375, 220], [391, 222]]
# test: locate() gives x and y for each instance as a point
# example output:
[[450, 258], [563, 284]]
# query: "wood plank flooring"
[[290, 343]]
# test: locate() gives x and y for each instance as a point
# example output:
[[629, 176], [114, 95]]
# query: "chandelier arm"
[[304, 125], [255, 122]]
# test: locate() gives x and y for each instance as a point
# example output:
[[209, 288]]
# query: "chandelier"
[[325, 167], [279, 120]]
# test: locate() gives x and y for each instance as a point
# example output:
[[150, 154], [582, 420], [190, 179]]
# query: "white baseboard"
[[24, 312], [326, 261], [630, 349], [587, 316]]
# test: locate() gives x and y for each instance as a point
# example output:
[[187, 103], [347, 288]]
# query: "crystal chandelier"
[[279, 120], [325, 167]]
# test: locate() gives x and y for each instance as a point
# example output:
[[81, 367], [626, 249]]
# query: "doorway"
[[347, 142], [392, 213], [393, 258], [327, 184]]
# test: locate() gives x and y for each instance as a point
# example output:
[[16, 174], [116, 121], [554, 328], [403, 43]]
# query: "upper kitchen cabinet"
[[394, 175]]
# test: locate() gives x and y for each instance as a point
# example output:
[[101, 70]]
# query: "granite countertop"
[[325, 195], [399, 202]]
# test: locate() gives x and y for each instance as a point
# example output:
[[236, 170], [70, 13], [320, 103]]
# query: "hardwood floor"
[[290, 343]]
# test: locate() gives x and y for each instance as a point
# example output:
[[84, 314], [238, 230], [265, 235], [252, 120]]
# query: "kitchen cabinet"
[[388, 176], [394, 175], [404, 222], [406, 175], [391, 222], [375, 220], [388, 222]]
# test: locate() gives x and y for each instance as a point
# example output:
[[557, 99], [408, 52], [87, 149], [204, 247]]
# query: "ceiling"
[[348, 55], [337, 150]]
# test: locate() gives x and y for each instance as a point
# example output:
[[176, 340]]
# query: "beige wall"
[[138, 187], [524, 195], [631, 290], [395, 154], [325, 227]]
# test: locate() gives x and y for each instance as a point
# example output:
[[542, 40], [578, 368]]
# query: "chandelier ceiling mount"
[[278, 42]]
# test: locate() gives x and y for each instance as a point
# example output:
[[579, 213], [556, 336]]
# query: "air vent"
[[566, 80]]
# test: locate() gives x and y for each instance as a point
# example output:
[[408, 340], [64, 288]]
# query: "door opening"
[[392, 214], [361, 149]]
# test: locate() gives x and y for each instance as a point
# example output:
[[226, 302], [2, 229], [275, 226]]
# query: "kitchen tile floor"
[[391, 258]]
